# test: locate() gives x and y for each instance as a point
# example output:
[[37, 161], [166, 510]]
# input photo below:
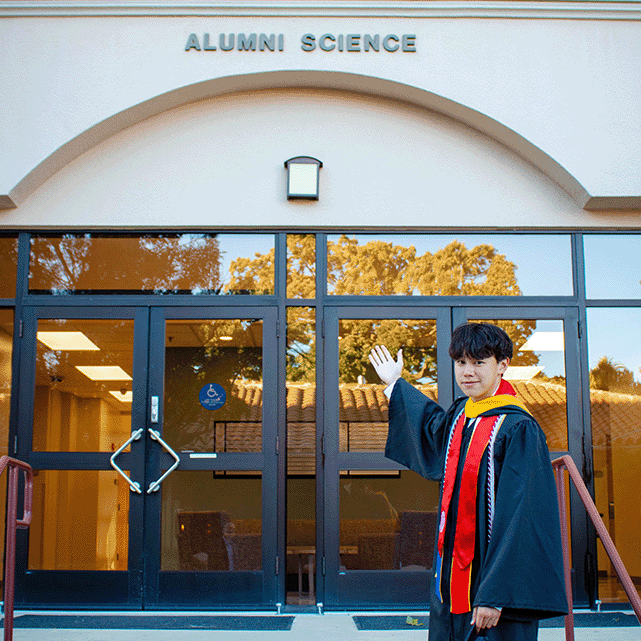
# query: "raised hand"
[[388, 369]]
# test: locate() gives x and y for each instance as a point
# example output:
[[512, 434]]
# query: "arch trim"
[[312, 79]]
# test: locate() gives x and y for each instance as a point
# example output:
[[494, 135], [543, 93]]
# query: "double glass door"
[[380, 518], [152, 436]]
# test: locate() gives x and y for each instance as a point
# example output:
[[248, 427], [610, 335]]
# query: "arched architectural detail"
[[307, 79]]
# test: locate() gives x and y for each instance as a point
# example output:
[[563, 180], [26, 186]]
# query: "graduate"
[[498, 566]]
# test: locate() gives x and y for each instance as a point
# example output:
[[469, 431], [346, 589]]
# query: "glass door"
[[152, 437], [211, 497], [380, 518], [83, 385]]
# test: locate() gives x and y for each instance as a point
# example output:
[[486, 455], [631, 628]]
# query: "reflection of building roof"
[[615, 417]]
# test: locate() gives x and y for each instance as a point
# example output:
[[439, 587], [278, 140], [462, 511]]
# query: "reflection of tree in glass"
[[382, 268], [184, 262], [301, 345], [613, 377], [254, 275], [159, 263], [60, 262], [8, 266], [301, 266]]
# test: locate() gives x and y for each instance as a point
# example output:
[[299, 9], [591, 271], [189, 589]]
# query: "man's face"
[[479, 378]]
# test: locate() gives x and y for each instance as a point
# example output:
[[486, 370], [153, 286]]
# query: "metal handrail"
[[13, 523], [155, 485], [575, 476]]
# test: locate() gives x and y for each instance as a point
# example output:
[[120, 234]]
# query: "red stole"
[[465, 518]]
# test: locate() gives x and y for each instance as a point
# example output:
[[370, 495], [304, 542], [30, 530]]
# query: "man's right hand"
[[388, 369]]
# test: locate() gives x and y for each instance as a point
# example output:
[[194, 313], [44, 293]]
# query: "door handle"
[[133, 485], [154, 487]]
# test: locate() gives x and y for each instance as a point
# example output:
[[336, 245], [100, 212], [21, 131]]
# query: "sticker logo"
[[212, 396]]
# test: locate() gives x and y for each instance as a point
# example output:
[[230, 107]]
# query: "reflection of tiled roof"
[[615, 417]]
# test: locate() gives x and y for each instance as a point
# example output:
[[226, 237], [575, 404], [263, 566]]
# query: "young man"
[[498, 564]]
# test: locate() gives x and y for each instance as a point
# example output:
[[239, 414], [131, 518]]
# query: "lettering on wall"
[[350, 42]]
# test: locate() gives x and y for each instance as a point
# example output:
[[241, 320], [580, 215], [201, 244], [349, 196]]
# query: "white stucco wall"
[[219, 163], [566, 87]]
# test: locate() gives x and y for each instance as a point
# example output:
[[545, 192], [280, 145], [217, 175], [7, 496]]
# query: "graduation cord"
[[449, 440], [490, 475], [482, 438]]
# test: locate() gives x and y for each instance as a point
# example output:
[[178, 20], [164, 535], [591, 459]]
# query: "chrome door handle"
[[154, 487], [133, 485]]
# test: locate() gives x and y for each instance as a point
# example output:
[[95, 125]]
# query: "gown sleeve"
[[417, 431], [522, 571]]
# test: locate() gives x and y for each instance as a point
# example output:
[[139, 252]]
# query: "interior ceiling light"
[[104, 372], [226, 338], [67, 341], [127, 397], [544, 342]]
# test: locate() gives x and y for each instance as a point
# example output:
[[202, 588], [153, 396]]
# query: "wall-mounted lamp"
[[302, 177]]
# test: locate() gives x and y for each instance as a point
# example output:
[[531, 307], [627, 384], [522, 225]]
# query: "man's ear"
[[503, 365]]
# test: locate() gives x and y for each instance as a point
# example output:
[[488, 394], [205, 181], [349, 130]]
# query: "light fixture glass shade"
[[303, 177]]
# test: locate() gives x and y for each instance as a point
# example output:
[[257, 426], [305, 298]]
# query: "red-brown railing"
[[575, 476], [13, 523]]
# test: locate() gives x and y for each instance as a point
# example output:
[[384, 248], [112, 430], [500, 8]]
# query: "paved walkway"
[[333, 626]]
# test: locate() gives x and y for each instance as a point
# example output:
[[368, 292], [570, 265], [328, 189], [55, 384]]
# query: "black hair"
[[480, 340]]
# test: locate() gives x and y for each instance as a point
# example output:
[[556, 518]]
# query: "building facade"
[[186, 322]]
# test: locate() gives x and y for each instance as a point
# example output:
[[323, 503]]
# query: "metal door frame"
[[37, 587], [360, 584], [155, 586]]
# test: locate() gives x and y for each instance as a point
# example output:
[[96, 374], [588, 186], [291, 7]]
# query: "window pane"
[[615, 401], [363, 405], [83, 387], [387, 520], [301, 266], [612, 266], [438, 265], [223, 359], [159, 264], [301, 455], [8, 266], [80, 521], [537, 372], [6, 345], [212, 523]]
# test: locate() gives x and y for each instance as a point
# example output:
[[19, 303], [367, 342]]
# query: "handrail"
[[575, 476], [13, 523]]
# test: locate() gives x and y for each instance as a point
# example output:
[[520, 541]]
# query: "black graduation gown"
[[521, 568]]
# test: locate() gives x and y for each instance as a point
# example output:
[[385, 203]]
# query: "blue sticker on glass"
[[212, 396]]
